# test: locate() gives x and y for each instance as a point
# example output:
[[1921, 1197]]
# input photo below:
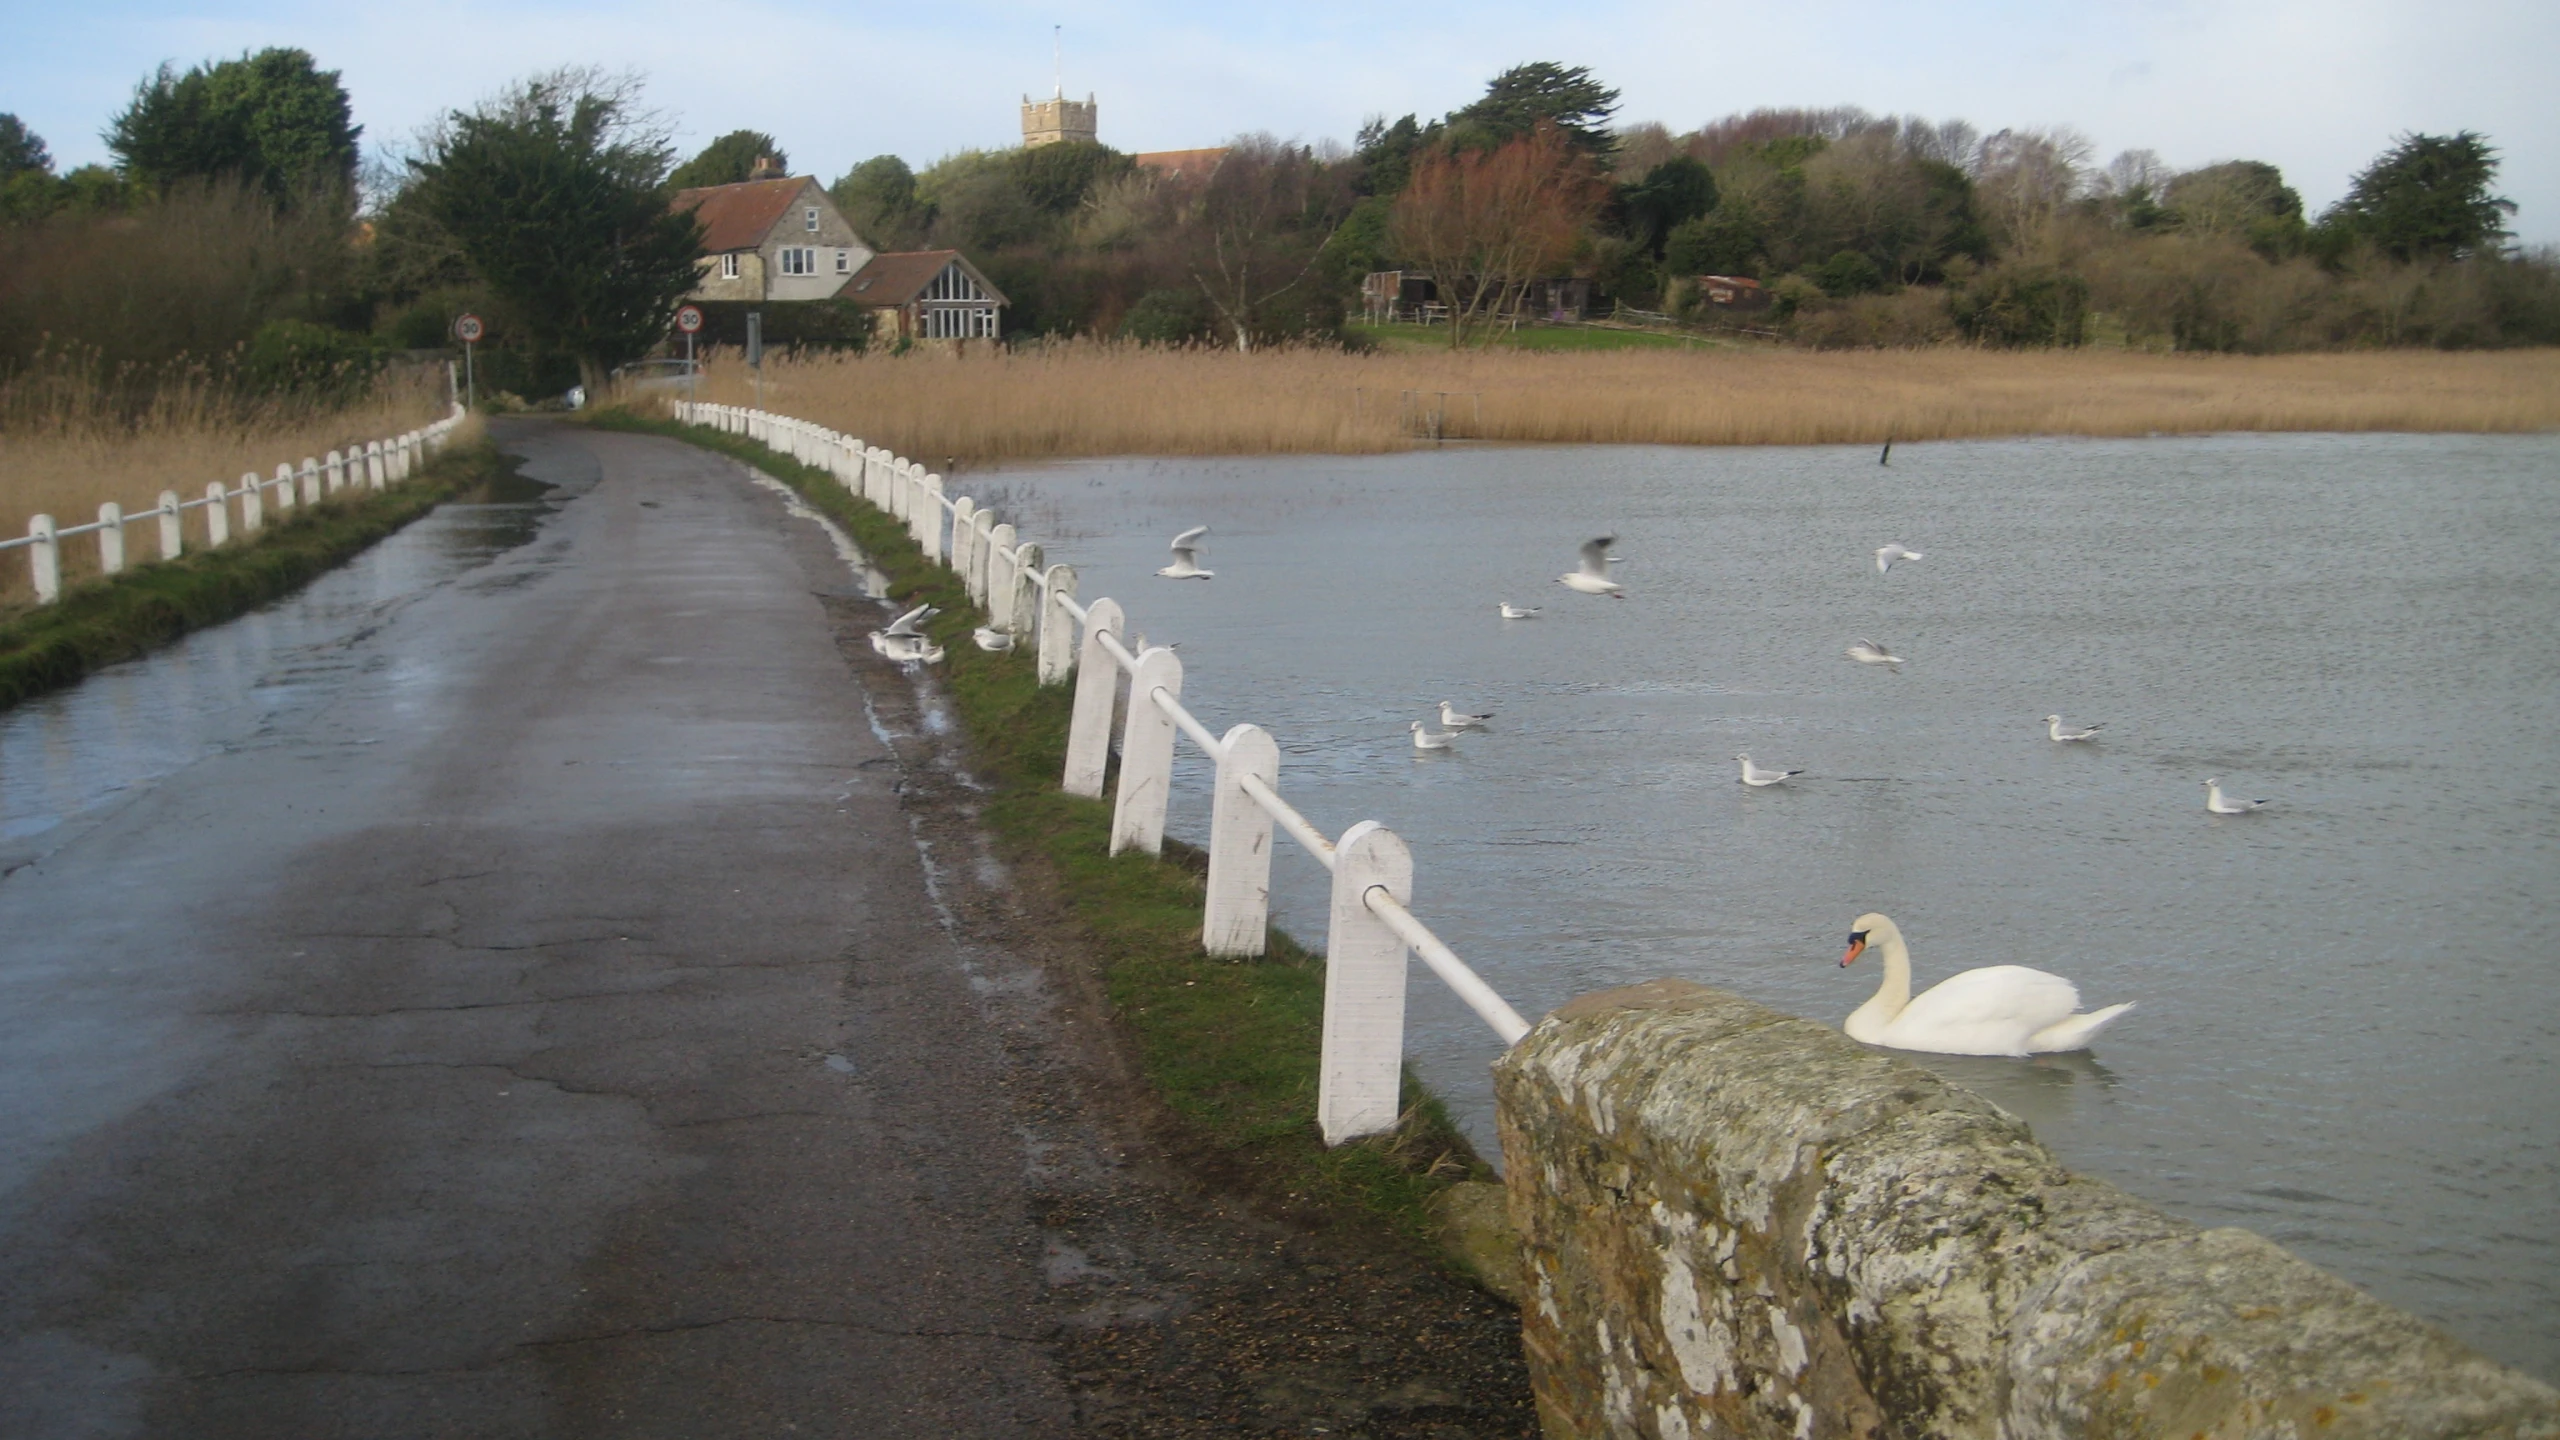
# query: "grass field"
[[1092, 398], [1421, 339]]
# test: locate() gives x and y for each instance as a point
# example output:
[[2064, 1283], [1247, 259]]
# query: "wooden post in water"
[[1362, 1067], [1239, 911], [1097, 691], [1146, 755]]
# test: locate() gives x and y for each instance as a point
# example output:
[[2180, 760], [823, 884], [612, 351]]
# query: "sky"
[[2317, 87]]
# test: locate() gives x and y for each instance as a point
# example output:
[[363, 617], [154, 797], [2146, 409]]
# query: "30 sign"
[[467, 329], [689, 320]]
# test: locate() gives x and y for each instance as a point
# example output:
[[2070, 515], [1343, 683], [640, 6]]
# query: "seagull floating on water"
[[1186, 556], [1514, 612], [1868, 652], [1450, 717], [2065, 734], [1887, 554], [1431, 739], [2221, 804], [1593, 577], [1754, 775], [991, 638]]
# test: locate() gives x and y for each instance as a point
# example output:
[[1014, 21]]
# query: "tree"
[[1385, 154], [1487, 222], [28, 190], [2427, 197], [21, 149], [2245, 200], [553, 195], [1671, 194], [878, 197], [274, 119], [1057, 177], [1521, 99], [1252, 238], [728, 160]]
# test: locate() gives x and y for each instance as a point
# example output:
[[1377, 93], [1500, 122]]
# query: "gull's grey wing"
[[1595, 554], [1189, 539]]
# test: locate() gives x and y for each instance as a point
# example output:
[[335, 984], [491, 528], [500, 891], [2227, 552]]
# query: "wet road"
[[538, 1027]]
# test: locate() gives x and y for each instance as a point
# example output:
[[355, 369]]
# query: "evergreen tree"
[[728, 160], [2427, 197], [273, 120]]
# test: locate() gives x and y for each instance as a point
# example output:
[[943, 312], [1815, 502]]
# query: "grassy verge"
[[46, 647], [1229, 1048]]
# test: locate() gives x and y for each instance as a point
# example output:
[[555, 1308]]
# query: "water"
[[2345, 1033]]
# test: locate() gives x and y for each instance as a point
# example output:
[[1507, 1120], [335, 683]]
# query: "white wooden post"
[[284, 488], [928, 522], [1058, 627], [173, 528], [1097, 689], [217, 515], [982, 552], [110, 539], [44, 561], [310, 481], [1359, 1079], [995, 591], [253, 504], [373, 473], [1018, 610], [1239, 913], [1146, 755], [964, 532], [336, 465]]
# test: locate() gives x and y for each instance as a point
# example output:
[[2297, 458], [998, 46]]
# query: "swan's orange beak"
[[1857, 947]]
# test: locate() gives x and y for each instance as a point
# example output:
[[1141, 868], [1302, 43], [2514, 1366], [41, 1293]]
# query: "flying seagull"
[[1431, 739], [1593, 577], [1868, 652], [1754, 775], [1186, 556], [2054, 727], [2220, 804], [1887, 554], [1450, 717], [1514, 612]]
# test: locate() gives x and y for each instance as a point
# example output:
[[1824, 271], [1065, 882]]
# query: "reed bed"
[[72, 439], [1089, 398]]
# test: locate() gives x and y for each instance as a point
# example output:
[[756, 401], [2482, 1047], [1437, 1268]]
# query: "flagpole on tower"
[[1058, 59]]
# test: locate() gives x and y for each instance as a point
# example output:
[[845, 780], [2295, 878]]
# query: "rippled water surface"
[[2346, 1024]]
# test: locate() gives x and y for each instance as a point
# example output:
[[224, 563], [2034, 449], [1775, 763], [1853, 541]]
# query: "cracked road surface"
[[550, 1033]]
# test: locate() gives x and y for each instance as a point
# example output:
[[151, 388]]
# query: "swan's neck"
[[1894, 993]]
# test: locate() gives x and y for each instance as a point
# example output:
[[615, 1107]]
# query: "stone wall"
[[1734, 1222]]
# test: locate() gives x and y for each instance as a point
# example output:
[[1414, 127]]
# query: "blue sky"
[[2315, 86]]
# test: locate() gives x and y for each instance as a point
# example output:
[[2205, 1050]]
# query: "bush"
[[1168, 317], [2023, 305], [1903, 320], [1848, 273], [307, 361]]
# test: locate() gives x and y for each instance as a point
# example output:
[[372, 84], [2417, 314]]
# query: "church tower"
[[1046, 122]]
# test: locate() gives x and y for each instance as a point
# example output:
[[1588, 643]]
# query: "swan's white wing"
[[1595, 555], [1990, 1011]]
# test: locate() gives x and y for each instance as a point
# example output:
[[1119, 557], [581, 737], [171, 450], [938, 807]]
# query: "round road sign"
[[467, 328], [688, 319]]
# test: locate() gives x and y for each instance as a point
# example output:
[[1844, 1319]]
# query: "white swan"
[[1997, 1010]]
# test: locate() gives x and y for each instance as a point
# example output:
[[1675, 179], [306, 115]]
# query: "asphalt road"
[[550, 1034]]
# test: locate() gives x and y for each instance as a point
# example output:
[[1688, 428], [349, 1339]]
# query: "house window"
[[809, 218], [729, 267], [844, 262], [799, 260]]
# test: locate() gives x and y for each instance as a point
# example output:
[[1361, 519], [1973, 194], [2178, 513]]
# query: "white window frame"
[[799, 260], [809, 219], [844, 262], [729, 266]]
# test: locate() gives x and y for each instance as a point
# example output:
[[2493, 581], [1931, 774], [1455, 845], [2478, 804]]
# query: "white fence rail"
[[373, 466], [1371, 925]]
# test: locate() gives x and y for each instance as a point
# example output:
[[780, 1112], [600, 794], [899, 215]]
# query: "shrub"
[[1167, 317], [295, 357], [2023, 305]]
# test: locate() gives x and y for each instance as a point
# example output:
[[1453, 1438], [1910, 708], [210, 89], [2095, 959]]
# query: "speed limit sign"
[[467, 328], [688, 319]]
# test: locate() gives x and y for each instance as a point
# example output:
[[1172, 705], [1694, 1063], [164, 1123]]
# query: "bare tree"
[[2025, 176], [1487, 222], [1256, 229]]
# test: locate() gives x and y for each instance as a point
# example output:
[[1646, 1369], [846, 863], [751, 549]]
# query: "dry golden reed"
[[1089, 398], [69, 443]]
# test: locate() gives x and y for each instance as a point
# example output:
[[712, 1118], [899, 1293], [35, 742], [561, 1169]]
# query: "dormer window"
[[809, 218]]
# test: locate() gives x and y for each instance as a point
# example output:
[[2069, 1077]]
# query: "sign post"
[[688, 320], [468, 330], [755, 351]]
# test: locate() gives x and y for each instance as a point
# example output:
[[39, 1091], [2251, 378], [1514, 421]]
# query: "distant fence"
[[1371, 924], [373, 465]]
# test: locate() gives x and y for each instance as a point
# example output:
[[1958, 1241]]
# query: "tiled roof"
[[738, 217], [901, 275], [1182, 162]]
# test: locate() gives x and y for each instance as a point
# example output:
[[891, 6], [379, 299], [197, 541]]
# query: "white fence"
[[1371, 924], [374, 465]]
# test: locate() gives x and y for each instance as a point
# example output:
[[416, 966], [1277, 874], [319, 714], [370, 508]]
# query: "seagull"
[[1754, 775], [990, 638], [2054, 727], [906, 649], [1514, 612], [1455, 721], [1186, 556], [1593, 577], [1868, 652], [1887, 554], [912, 623], [1431, 739], [2217, 803]]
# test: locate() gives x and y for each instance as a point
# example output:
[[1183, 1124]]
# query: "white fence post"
[[217, 515], [253, 504], [964, 532], [1018, 610], [310, 481], [995, 588], [982, 544], [173, 527], [1239, 912], [284, 488], [110, 539], [928, 521], [44, 559], [336, 465], [373, 472], [1097, 688], [1146, 755], [1058, 627], [1359, 1079]]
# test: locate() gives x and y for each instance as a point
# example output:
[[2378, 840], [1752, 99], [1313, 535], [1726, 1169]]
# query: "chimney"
[[765, 169]]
